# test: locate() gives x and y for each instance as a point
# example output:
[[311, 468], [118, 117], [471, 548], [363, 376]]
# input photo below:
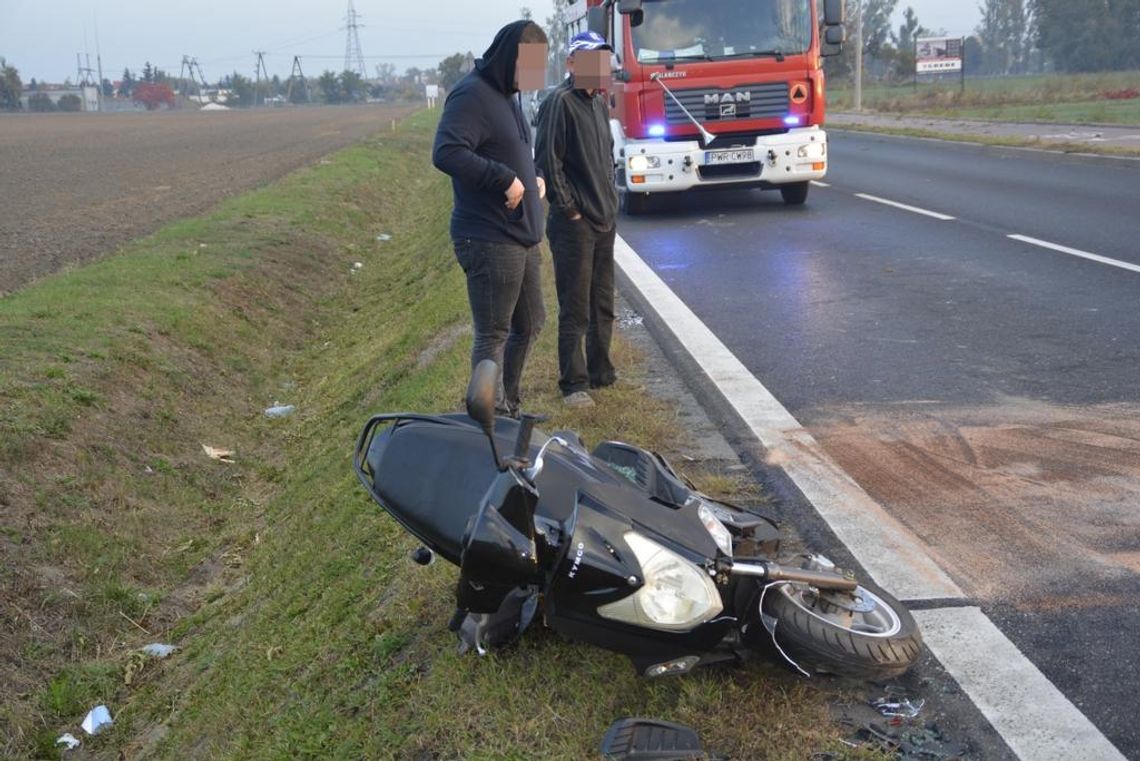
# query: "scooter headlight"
[[676, 594]]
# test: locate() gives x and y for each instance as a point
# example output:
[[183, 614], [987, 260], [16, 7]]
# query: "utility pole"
[[859, 57], [181, 75], [99, 63], [353, 55], [257, 74], [191, 66], [294, 74]]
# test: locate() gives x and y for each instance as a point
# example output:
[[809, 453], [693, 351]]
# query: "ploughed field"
[[77, 186]]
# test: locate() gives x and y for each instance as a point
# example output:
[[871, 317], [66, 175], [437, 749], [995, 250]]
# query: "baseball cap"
[[588, 41]]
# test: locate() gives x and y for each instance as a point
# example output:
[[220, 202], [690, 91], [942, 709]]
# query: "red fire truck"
[[715, 93]]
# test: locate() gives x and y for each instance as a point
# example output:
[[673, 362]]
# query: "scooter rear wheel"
[[866, 635]]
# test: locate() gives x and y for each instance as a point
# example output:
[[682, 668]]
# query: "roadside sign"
[[935, 55]]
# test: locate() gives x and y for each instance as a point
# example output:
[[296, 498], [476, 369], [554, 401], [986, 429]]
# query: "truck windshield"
[[719, 29]]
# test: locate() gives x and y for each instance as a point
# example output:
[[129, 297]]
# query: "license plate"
[[738, 156]]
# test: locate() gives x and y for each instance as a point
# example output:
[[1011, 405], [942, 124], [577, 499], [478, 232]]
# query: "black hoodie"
[[484, 143]]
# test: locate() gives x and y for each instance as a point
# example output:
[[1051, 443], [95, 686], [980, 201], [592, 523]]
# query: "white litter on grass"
[[383, 237], [158, 650], [97, 719], [280, 410], [222, 455], [358, 265], [628, 318], [69, 740]]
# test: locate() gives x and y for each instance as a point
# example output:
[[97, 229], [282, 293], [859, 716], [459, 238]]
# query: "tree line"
[[1012, 37], [152, 88]]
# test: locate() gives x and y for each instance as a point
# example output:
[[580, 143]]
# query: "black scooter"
[[614, 548]]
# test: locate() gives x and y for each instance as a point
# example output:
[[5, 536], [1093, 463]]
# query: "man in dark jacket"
[[484, 143], [574, 149]]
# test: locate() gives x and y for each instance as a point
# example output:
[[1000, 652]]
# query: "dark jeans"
[[505, 291], [584, 274]]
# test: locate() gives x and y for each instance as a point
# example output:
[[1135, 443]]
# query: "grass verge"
[[304, 631], [1071, 98]]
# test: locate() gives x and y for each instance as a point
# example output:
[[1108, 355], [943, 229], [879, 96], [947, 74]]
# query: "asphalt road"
[[981, 387]]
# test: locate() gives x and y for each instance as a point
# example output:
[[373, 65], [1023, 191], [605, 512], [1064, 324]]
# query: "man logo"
[[712, 99], [727, 109]]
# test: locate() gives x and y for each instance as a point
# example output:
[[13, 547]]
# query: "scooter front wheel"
[[865, 634]]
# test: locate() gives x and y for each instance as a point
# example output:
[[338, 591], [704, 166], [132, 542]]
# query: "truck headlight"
[[812, 151], [644, 163], [676, 594]]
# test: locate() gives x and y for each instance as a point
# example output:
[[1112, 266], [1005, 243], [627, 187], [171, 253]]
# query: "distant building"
[[88, 96]]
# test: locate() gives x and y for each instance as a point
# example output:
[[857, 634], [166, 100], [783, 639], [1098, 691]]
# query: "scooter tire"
[[817, 644]]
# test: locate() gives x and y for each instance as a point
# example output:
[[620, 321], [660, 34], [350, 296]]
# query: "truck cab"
[[715, 93]]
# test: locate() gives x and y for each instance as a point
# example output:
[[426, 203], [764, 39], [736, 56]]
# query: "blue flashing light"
[[792, 121], [657, 130]]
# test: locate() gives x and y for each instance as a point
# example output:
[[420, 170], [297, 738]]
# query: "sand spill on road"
[[1012, 498]]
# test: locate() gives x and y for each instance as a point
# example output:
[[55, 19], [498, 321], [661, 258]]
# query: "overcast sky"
[[41, 38]]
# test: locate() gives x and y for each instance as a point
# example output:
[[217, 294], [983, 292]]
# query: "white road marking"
[[893, 557], [1031, 715], [1027, 710], [1076, 252], [819, 184], [904, 207]]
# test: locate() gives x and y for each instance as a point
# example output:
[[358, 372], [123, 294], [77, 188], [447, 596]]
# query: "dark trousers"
[[505, 292], [584, 274]]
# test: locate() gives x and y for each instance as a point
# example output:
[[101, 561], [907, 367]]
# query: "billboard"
[[934, 55]]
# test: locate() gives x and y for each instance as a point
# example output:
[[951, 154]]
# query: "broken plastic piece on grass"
[[69, 740], [223, 455], [98, 718], [280, 410], [631, 739], [159, 651], [902, 708], [383, 237]]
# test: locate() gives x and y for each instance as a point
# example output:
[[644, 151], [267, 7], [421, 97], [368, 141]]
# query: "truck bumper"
[[656, 166]]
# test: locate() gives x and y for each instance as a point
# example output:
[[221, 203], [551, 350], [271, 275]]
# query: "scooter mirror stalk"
[[481, 401]]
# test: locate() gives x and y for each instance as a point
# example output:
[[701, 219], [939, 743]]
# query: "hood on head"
[[498, 63]]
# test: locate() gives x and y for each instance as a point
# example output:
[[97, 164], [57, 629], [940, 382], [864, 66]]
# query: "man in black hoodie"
[[484, 143]]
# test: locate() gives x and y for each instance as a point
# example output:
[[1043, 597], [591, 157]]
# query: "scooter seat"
[[431, 477]]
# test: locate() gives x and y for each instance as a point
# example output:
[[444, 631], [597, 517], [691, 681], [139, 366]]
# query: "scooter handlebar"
[[769, 571]]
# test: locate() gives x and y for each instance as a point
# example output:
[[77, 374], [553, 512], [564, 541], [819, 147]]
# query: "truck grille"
[[765, 101]]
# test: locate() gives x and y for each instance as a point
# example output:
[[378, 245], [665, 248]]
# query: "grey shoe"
[[578, 399]]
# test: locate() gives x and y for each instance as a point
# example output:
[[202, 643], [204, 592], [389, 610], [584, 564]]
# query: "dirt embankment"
[[78, 186]]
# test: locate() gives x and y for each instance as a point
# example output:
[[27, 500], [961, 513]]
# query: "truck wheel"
[[795, 194], [635, 204], [866, 634]]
